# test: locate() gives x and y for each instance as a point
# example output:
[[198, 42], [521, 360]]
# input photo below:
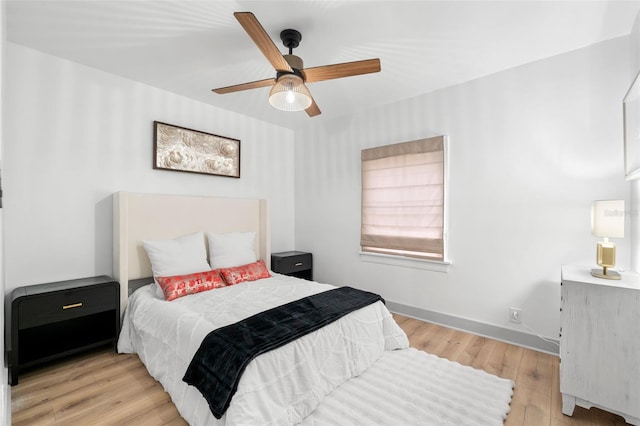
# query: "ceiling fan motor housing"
[[295, 61], [290, 38]]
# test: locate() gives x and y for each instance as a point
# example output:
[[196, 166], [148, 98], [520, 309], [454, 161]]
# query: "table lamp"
[[607, 221]]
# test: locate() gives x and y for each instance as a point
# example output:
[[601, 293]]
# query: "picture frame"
[[631, 115], [186, 150]]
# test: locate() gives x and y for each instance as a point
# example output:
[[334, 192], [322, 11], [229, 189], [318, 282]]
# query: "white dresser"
[[600, 343]]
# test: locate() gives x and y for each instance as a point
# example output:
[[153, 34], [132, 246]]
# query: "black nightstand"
[[295, 263], [48, 321]]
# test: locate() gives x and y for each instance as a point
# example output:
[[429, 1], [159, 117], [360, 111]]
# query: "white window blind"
[[403, 199]]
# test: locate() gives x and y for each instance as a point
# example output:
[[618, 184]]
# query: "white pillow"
[[183, 255], [232, 249]]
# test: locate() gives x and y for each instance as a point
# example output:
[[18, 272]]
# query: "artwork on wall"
[[631, 110], [187, 150]]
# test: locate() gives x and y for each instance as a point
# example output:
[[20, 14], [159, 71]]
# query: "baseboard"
[[503, 334]]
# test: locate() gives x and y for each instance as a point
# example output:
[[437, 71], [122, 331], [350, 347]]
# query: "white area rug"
[[411, 387]]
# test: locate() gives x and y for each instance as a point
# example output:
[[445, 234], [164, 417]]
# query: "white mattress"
[[283, 386]]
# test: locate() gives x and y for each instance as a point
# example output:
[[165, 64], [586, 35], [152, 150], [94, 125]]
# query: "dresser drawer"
[[291, 263], [64, 305]]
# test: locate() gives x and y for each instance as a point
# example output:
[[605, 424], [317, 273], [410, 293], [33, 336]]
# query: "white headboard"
[[139, 217]]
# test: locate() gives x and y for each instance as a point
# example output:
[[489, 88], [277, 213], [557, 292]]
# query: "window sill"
[[406, 262]]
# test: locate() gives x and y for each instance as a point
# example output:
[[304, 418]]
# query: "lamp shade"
[[607, 218], [290, 94]]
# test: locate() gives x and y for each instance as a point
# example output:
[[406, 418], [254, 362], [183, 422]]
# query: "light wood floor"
[[107, 388]]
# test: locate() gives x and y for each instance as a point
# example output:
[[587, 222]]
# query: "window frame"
[[439, 265]]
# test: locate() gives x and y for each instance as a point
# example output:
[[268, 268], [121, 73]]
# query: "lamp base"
[[610, 275]]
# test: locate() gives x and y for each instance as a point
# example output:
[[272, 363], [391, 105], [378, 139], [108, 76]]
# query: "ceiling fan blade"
[[347, 69], [260, 37], [245, 86], [313, 109]]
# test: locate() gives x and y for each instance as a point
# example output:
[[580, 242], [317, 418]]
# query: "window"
[[403, 199]]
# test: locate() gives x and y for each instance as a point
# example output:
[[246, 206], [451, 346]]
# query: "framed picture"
[[631, 111], [186, 150]]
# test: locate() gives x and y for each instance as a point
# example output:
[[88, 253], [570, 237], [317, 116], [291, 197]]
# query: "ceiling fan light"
[[290, 94]]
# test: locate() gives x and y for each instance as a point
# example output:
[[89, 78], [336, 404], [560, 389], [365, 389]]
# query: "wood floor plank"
[[533, 406], [41, 414], [137, 409], [536, 371], [169, 413], [432, 339], [476, 352], [455, 345], [93, 402], [115, 389], [77, 375], [414, 329]]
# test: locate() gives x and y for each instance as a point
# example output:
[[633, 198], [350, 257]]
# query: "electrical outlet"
[[515, 315]]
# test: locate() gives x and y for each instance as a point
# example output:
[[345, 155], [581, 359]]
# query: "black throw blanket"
[[217, 366]]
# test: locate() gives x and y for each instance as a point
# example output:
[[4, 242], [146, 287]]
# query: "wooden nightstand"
[[295, 263], [600, 343], [49, 321]]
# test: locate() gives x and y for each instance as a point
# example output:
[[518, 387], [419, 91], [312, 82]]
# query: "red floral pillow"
[[181, 285], [249, 272]]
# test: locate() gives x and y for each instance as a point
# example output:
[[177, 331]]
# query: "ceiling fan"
[[288, 91]]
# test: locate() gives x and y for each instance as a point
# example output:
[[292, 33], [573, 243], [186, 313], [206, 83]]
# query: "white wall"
[[75, 135], [5, 402], [634, 185], [530, 148]]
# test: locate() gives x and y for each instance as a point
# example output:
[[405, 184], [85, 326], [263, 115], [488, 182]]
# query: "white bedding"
[[279, 387]]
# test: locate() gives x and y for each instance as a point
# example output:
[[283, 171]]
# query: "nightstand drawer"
[[64, 305], [44, 322], [293, 263]]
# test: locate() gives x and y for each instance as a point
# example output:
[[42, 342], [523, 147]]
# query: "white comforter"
[[279, 387]]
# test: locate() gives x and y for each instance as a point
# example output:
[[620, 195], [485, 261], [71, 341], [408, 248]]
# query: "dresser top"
[[582, 274]]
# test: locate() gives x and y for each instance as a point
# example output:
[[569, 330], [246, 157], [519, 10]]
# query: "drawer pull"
[[299, 264], [74, 305]]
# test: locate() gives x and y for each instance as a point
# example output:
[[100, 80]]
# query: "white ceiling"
[[189, 47]]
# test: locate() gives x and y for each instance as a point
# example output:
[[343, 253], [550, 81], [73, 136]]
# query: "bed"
[[357, 369]]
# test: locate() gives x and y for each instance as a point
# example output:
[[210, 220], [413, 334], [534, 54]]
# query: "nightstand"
[[600, 342], [48, 321], [295, 263]]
